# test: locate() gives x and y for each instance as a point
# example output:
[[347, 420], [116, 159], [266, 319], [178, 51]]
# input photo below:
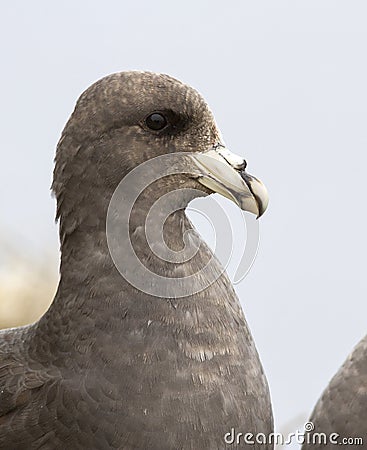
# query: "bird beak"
[[224, 172]]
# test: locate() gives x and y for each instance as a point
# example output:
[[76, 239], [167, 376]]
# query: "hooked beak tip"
[[258, 190]]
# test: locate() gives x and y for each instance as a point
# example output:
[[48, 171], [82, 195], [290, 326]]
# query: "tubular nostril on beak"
[[244, 165], [237, 162]]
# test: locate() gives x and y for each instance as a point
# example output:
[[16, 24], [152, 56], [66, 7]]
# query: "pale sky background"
[[287, 83]]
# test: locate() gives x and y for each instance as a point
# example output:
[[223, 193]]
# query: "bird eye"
[[156, 121]]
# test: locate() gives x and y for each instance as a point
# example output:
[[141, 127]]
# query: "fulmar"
[[118, 361]]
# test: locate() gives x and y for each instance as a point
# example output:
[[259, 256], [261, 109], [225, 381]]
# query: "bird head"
[[128, 118]]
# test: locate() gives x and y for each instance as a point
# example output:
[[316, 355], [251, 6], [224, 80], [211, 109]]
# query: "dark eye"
[[156, 121]]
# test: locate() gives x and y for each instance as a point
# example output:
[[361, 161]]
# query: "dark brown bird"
[[339, 417], [121, 360]]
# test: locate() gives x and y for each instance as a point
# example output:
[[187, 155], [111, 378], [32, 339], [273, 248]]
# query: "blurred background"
[[287, 83]]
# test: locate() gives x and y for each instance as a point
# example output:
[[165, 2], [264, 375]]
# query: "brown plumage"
[[340, 414]]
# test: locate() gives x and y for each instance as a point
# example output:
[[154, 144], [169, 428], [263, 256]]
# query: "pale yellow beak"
[[224, 172]]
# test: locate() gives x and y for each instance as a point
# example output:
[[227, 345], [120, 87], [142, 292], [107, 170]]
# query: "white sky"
[[287, 83]]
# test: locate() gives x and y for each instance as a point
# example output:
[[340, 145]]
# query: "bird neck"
[[87, 254], [97, 290], [92, 284], [95, 299]]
